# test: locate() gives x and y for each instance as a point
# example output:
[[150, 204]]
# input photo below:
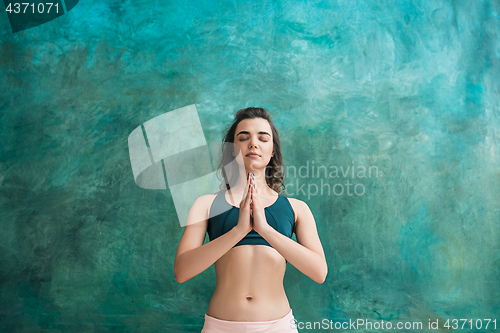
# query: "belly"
[[249, 285]]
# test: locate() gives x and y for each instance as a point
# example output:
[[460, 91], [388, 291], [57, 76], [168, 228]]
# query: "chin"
[[254, 165]]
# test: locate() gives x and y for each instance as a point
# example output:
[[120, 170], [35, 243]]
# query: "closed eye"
[[260, 140]]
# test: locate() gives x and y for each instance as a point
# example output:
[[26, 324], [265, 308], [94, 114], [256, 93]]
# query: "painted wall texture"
[[398, 101]]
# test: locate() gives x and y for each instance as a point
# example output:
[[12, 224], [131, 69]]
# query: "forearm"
[[195, 261], [305, 260]]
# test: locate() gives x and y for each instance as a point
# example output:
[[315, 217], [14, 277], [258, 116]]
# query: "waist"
[[249, 307], [256, 293]]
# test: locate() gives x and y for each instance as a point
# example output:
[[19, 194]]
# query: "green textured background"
[[409, 87]]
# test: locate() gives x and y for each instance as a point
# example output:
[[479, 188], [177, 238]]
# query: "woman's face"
[[254, 138]]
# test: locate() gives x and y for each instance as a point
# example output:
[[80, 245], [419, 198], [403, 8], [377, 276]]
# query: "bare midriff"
[[249, 285]]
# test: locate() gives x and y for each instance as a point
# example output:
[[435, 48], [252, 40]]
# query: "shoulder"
[[203, 204], [304, 220], [300, 208], [207, 198]]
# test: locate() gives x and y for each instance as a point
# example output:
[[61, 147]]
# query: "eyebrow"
[[246, 132]]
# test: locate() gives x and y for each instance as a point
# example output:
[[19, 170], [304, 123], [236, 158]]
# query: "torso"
[[250, 280]]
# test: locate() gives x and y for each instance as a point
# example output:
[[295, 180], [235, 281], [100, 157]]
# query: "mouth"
[[253, 155]]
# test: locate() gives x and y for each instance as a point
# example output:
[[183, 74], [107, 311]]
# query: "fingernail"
[[253, 185], [253, 174]]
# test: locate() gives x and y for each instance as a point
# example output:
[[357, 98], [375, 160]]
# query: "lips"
[[253, 155]]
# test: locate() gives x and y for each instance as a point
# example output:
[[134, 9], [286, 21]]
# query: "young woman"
[[250, 226]]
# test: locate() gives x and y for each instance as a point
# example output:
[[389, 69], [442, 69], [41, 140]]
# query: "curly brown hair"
[[273, 174]]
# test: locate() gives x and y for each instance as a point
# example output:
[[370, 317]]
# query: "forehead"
[[254, 125]]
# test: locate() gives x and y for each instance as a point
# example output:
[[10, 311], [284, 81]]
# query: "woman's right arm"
[[193, 257]]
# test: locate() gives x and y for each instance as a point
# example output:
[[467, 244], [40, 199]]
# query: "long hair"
[[273, 174]]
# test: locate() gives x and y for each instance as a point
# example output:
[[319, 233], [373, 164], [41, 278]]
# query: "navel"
[[249, 298]]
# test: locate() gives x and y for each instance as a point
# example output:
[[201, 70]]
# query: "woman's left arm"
[[307, 253]]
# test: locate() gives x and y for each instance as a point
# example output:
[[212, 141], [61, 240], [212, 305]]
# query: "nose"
[[253, 142]]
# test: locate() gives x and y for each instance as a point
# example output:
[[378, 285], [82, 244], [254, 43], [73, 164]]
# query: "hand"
[[259, 216], [244, 220]]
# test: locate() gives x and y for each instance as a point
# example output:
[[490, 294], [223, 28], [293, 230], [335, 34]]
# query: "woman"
[[250, 226]]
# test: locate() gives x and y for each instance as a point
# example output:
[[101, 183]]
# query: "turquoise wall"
[[409, 89]]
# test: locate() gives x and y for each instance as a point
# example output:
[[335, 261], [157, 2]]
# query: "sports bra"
[[223, 217]]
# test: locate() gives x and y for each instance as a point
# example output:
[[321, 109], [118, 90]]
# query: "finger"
[[251, 199], [248, 197], [252, 183], [245, 193], [256, 198]]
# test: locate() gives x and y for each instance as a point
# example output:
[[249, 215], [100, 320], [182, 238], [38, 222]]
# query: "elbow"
[[318, 271], [320, 279], [178, 277], [322, 276]]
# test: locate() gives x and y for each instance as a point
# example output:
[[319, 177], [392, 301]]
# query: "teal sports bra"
[[223, 217]]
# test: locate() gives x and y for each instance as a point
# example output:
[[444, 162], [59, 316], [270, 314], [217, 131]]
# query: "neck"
[[259, 180]]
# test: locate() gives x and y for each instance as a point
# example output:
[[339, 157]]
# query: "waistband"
[[282, 325]]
